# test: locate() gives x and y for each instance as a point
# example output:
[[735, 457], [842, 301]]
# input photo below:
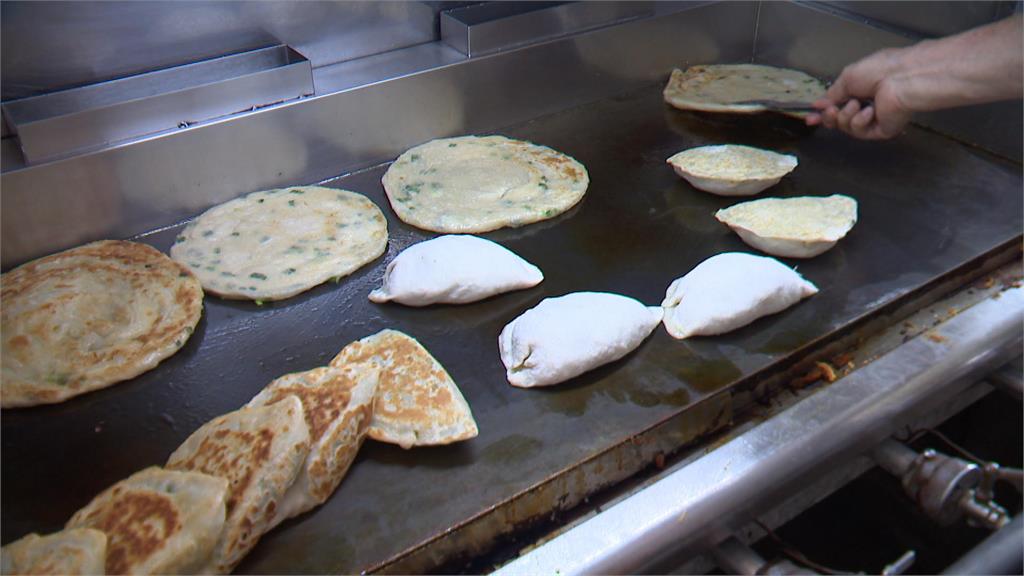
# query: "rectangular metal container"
[[74, 121], [487, 28]]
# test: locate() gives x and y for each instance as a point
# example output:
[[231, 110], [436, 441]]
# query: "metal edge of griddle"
[[703, 502], [572, 485]]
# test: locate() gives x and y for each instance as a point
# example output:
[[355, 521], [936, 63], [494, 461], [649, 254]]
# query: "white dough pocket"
[[728, 291], [566, 336], [454, 269]]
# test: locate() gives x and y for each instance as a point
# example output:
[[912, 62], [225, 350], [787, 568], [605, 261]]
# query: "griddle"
[[928, 206]]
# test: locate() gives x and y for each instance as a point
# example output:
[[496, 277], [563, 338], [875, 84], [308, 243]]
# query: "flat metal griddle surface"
[[927, 205]]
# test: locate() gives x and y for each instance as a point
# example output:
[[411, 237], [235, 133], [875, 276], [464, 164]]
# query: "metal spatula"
[[783, 106], [779, 105]]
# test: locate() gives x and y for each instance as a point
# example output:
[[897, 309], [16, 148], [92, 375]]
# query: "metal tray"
[[79, 119], [928, 206]]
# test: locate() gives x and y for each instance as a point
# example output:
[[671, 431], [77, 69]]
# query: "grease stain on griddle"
[[298, 555], [444, 457], [650, 398], [785, 342], [513, 448], [625, 388], [707, 376]]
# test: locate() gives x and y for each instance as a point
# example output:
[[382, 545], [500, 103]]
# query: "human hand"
[[875, 79]]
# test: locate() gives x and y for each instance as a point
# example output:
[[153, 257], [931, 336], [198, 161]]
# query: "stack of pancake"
[[241, 474]]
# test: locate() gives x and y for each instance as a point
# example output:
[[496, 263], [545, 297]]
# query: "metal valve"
[[946, 488]]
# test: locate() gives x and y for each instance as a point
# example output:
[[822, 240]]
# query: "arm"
[[977, 66]]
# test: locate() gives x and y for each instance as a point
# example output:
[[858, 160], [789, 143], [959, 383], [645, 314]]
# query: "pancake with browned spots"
[[723, 88], [75, 551], [157, 521], [476, 184], [259, 451], [89, 317], [418, 403], [338, 404]]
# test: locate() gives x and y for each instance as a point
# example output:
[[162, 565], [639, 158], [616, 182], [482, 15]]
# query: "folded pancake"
[[718, 87], [259, 451], [728, 291], [731, 169], [566, 336], [275, 244], [454, 269], [799, 227], [157, 521], [417, 403], [75, 551], [476, 184], [89, 317], [338, 407]]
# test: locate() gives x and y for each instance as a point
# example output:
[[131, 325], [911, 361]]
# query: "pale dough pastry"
[[728, 291], [566, 336], [454, 269]]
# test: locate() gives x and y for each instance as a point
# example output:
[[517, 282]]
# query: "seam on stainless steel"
[[757, 25], [697, 505], [838, 12]]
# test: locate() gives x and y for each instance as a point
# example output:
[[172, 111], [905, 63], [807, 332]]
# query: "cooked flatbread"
[[92, 316], [564, 337], [792, 227], [338, 406], [728, 291], [716, 88], [731, 169], [273, 245], [260, 452], [454, 269], [418, 403], [477, 184], [76, 551], [157, 521]]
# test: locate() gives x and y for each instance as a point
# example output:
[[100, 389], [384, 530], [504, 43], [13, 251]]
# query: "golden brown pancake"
[[259, 451], [418, 403], [157, 521], [89, 317], [721, 88], [76, 551], [338, 404]]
